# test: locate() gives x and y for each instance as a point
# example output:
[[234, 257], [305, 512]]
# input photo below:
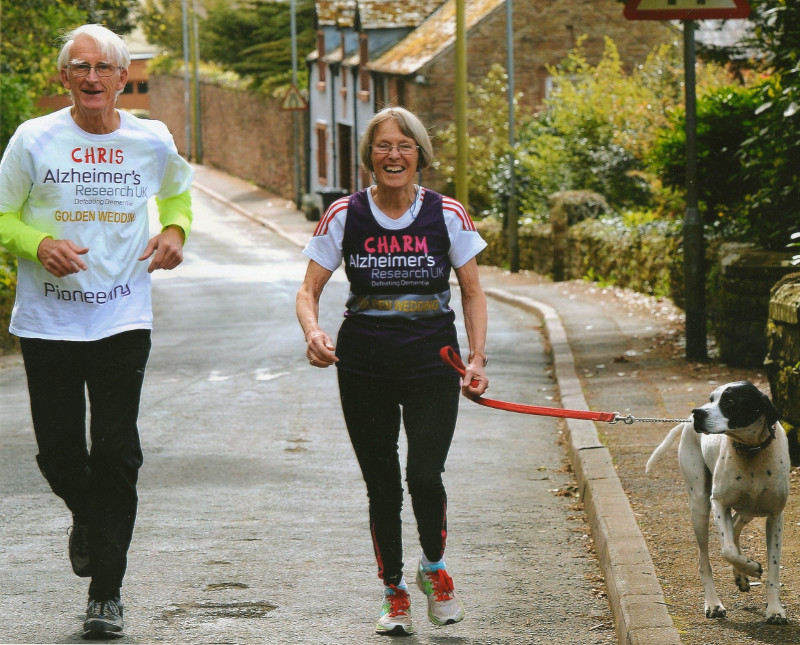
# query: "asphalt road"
[[252, 521]]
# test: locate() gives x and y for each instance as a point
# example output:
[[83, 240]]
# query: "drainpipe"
[[356, 174], [308, 118], [198, 116]]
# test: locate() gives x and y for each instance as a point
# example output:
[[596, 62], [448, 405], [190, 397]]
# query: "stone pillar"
[[741, 304], [783, 355]]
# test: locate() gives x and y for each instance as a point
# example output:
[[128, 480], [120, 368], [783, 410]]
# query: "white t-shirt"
[[92, 189]]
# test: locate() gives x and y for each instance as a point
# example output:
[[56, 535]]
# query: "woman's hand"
[[319, 346], [320, 352], [475, 381]]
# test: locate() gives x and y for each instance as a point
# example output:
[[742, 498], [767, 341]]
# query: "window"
[[141, 87], [345, 145], [544, 84], [321, 65], [322, 153]]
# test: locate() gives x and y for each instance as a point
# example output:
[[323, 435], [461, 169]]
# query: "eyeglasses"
[[103, 70], [405, 149]]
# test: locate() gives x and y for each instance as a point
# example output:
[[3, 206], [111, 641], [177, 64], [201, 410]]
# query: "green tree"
[[31, 29], [162, 23], [749, 139], [31, 33], [254, 38], [595, 129], [725, 119], [771, 156], [120, 16]]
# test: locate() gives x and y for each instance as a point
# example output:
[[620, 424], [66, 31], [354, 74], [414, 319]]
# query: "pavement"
[[581, 329]]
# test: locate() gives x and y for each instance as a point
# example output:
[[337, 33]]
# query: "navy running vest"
[[398, 313]]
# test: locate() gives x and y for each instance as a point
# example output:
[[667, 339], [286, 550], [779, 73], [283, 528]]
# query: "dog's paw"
[[742, 581], [777, 618], [752, 569], [717, 611]]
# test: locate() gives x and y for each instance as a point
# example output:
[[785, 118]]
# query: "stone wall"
[[783, 354], [575, 244], [243, 133], [739, 316]]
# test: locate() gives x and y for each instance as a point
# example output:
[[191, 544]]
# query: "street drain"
[[208, 611]]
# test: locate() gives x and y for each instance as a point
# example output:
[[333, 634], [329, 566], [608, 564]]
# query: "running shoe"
[[103, 619], [79, 548], [395, 617], [444, 606]]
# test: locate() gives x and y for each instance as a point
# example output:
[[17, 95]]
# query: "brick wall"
[[245, 134], [545, 31]]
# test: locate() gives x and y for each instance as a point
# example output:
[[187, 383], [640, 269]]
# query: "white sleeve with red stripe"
[[325, 246], [465, 241]]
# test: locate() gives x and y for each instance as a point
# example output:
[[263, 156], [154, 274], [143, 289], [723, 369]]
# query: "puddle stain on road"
[[212, 611]]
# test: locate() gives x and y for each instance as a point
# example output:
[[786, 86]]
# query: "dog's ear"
[[770, 411]]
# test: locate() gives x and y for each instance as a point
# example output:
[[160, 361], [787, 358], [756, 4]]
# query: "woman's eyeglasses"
[[104, 70], [405, 149]]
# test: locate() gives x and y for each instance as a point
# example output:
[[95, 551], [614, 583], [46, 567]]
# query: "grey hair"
[[109, 44], [409, 125]]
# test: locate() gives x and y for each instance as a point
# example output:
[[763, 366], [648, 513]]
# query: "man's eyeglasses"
[[405, 149], [104, 70]]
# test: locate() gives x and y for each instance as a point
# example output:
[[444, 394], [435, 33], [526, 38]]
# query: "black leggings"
[[98, 485], [372, 411]]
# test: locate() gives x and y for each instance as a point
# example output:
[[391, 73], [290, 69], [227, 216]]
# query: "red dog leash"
[[451, 358]]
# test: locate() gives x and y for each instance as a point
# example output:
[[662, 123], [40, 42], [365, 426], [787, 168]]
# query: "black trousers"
[[98, 482], [373, 409]]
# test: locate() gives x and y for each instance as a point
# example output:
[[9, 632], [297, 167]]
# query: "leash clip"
[[628, 420]]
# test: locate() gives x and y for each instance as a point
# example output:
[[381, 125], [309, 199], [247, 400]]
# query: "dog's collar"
[[748, 451]]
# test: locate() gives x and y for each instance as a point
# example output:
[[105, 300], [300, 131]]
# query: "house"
[[374, 53]]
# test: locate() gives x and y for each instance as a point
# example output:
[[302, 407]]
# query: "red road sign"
[[294, 100], [686, 9]]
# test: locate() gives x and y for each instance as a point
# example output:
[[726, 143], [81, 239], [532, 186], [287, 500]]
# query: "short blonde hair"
[[409, 125]]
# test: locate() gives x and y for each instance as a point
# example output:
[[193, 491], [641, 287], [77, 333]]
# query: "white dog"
[[734, 457]]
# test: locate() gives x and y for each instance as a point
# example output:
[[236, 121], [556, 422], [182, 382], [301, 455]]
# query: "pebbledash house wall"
[[243, 133]]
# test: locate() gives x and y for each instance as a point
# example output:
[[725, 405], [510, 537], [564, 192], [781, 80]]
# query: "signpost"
[[693, 239]]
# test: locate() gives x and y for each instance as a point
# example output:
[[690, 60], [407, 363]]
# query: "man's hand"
[[166, 249], [61, 257]]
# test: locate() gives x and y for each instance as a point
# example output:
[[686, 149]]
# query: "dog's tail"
[[664, 446]]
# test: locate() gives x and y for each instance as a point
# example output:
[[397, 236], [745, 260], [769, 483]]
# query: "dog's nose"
[[699, 415]]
